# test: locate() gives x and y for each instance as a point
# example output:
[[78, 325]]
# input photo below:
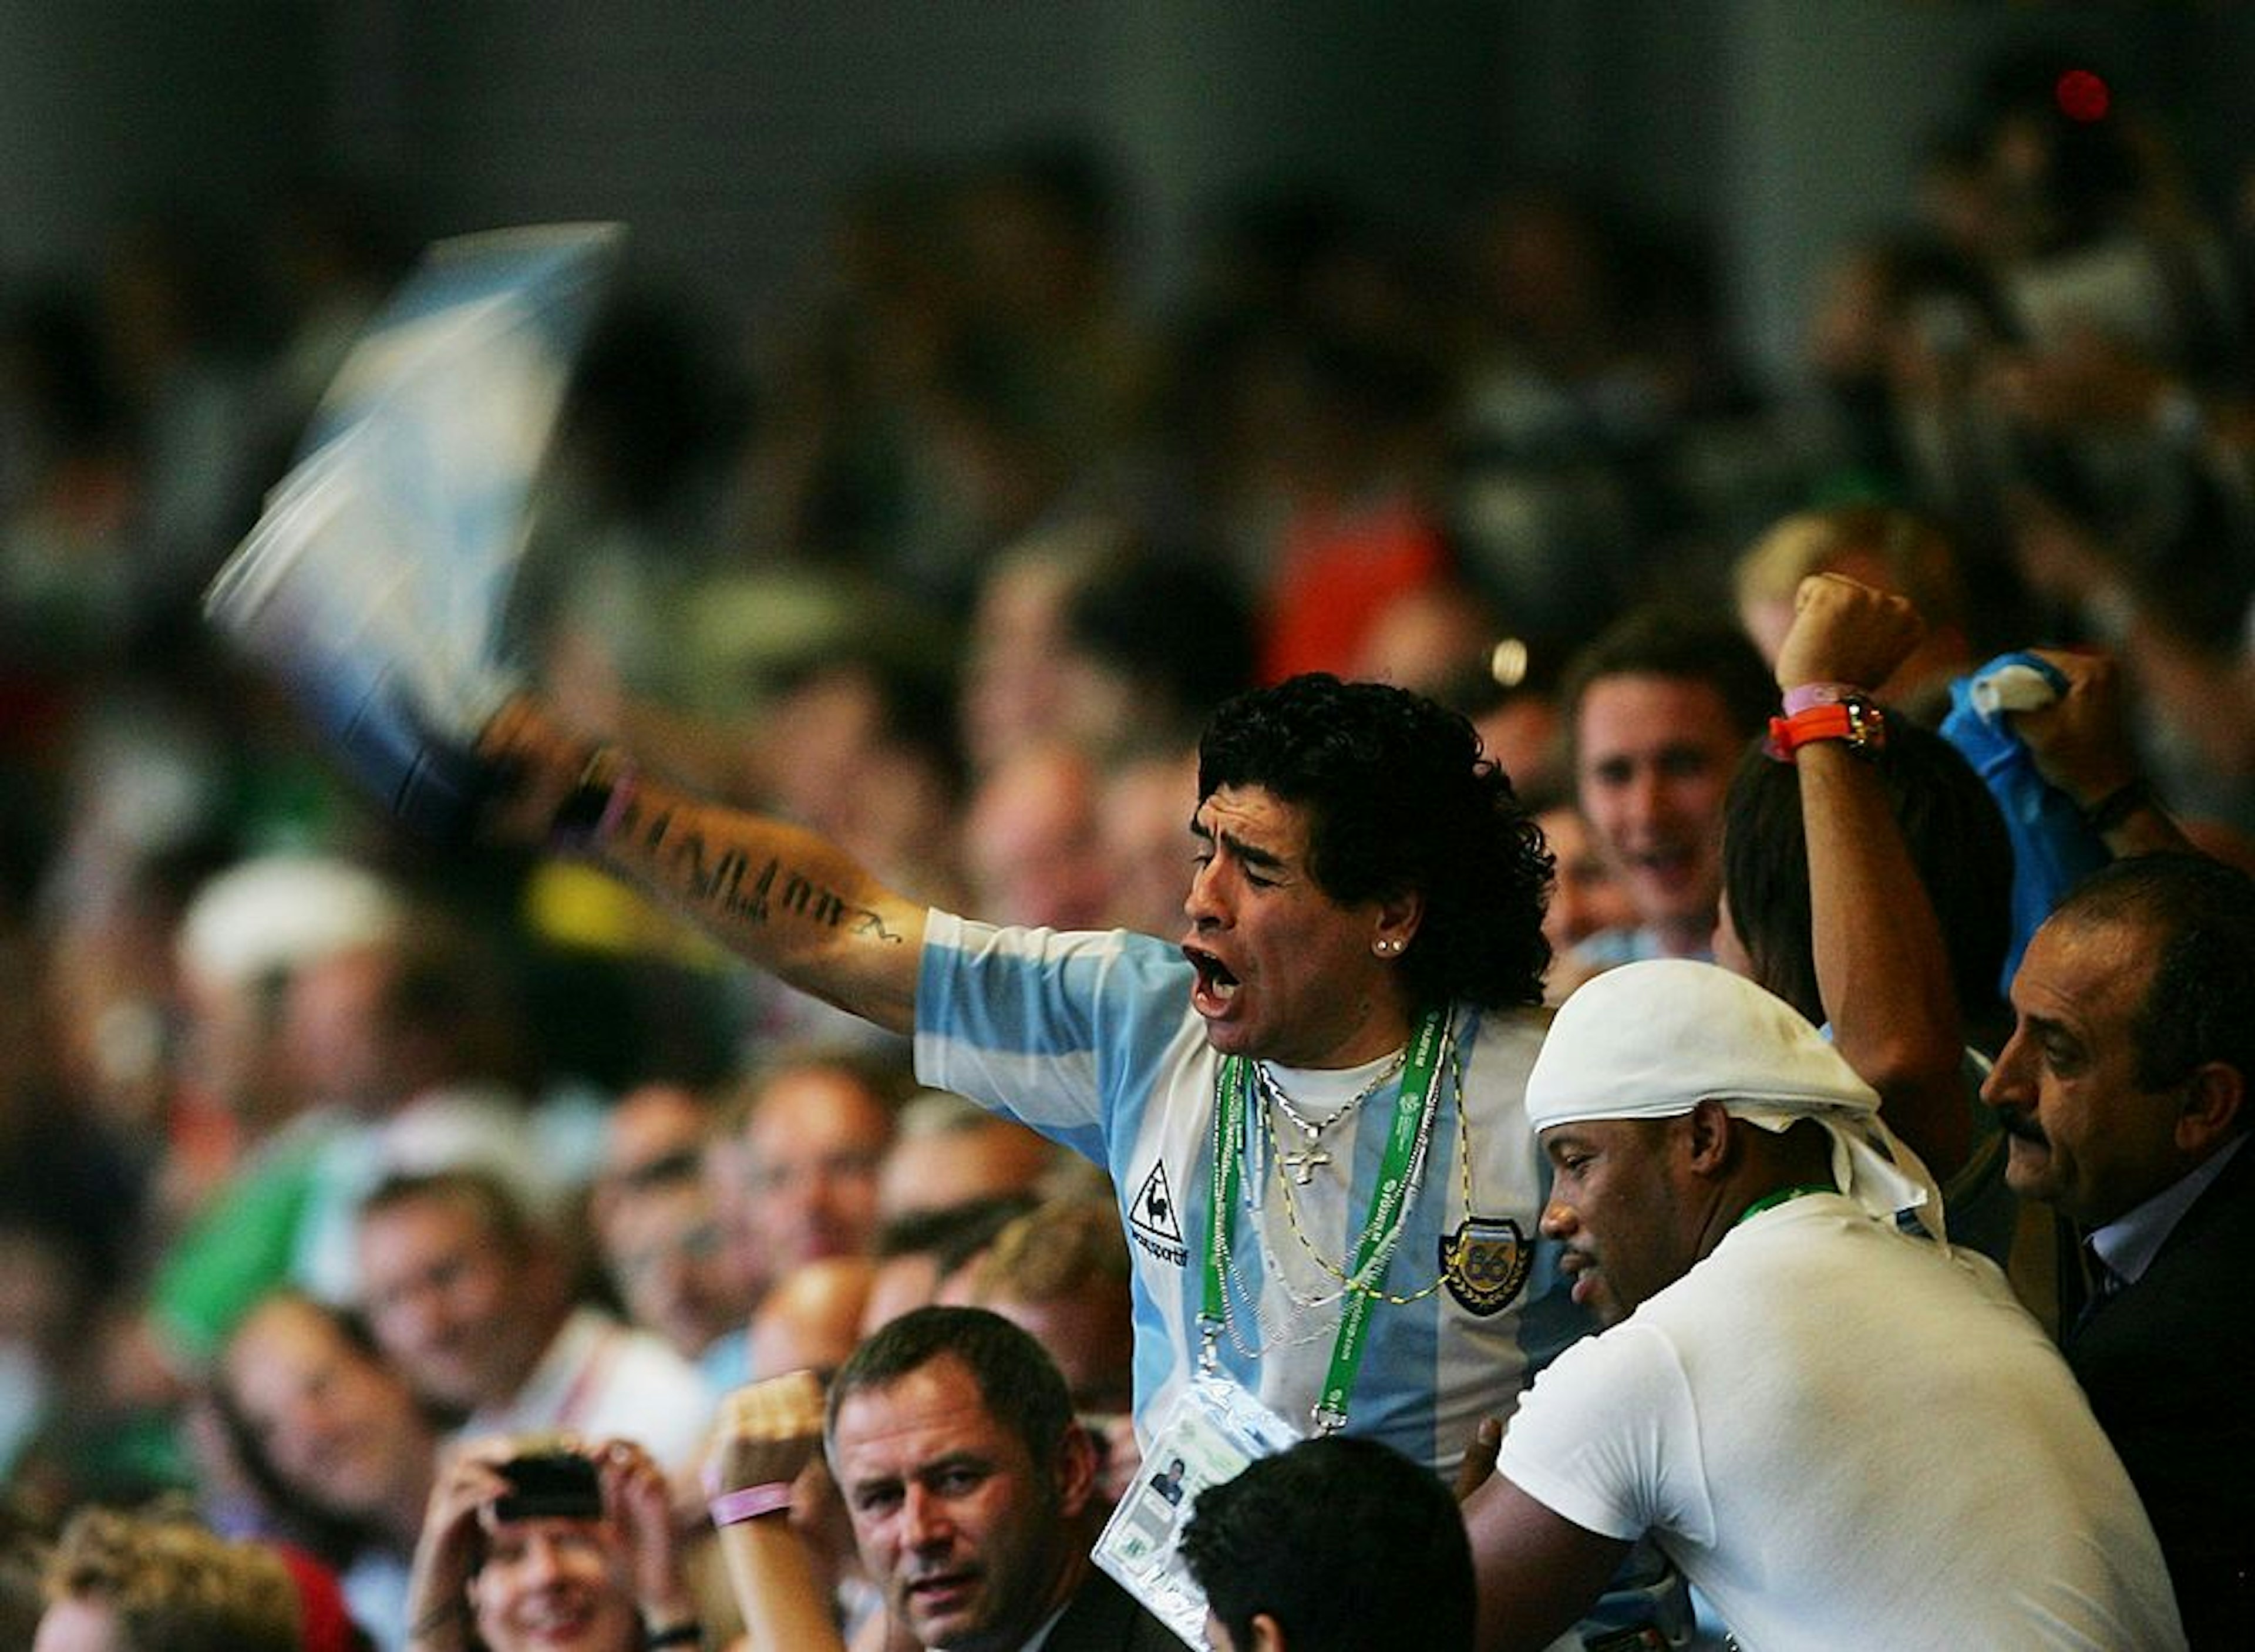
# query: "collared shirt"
[[2129, 1243], [1039, 1638]]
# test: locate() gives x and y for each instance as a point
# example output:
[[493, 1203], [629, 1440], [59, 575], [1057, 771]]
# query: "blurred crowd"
[[319, 1143]]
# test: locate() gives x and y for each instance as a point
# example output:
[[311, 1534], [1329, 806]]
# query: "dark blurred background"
[[729, 134]]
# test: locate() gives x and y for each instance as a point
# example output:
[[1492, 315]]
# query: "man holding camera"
[[551, 1548]]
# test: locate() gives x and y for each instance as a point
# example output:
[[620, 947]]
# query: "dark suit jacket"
[[1105, 1618], [2169, 1366]]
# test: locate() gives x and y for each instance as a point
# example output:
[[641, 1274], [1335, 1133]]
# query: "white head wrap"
[[1653, 1040]]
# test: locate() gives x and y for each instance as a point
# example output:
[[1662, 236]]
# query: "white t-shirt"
[[1846, 1438]]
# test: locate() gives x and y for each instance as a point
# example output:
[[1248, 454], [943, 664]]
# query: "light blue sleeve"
[[2053, 849], [1063, 1031]]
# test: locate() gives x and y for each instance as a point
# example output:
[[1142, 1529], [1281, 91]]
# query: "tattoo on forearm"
[[721, 887], [652, 831]]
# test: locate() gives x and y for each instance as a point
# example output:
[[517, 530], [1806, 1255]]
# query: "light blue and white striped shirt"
[[1090, 1039]]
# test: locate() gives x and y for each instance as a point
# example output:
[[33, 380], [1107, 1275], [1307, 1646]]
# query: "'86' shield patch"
[[1486, 1263]]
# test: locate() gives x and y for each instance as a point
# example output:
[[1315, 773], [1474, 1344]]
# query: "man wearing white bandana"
[[1844, 1434]]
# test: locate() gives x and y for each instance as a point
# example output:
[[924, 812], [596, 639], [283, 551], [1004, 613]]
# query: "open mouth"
[[1216, 985]]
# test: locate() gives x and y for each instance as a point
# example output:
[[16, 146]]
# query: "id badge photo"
[[1212, 1431]]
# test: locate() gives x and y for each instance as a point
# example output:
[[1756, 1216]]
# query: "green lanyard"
[[1771, 1201], [1412, 1109]]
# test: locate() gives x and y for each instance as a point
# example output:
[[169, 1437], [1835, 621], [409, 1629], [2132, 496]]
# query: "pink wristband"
[[749, 1502], [1800, 698]]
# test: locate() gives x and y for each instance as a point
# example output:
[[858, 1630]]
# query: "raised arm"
[[638, 1502], [1882, 968], [469, 1479], [786, 899], [2205, 689], [2082, 746], [769, 1432]]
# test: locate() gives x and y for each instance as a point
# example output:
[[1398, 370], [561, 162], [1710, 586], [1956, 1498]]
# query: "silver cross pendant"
[[1301, 1166]]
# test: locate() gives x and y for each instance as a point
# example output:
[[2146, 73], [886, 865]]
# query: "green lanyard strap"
[[1410, 1131], [1784, 1195]]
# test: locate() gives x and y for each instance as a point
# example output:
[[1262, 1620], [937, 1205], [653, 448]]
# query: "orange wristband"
[[1851, 719]]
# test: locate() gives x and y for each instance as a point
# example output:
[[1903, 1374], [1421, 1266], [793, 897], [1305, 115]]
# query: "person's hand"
[[537, 761], [2081, 741], [768, 1432], [437, 1608], [1481, 1452], [637, 1498], [1845, 632]]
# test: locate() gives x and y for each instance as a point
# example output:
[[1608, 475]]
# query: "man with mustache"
[[1844, 1434], [2123, 1093], [1332, 1057]]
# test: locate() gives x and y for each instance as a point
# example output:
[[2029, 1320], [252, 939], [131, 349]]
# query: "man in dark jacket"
[[2123, 1092], [973, 1489]]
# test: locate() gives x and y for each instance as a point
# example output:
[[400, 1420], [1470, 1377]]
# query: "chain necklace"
[[1301, 1167], [1272, 1262], [1302, 1163], [1281, 1331], [1273, 1089], [1267, 1336], [1385, 1252]]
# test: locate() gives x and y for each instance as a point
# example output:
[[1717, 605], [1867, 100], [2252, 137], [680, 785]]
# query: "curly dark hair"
[[1958, 843], [1400, 799], [2197, 916]]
